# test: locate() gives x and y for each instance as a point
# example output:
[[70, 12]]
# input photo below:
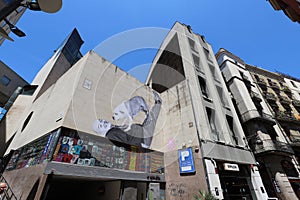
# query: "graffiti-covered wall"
[[70, 146]]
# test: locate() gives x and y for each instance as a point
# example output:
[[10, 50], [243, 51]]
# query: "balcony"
[[262, 84], [285, 116], [270, 145], [284, 100], [270, 97], [274, 86], [296, 103], [287, 91]]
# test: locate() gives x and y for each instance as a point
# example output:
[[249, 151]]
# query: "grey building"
[[185, 63]]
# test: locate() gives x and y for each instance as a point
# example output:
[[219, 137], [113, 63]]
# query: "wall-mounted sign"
[[186, 161], [231, 167]]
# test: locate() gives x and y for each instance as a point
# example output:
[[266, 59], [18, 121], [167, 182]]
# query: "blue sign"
[[186, 161]]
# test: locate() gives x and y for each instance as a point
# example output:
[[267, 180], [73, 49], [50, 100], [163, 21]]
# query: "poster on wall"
[[186, 161], [123, 129]]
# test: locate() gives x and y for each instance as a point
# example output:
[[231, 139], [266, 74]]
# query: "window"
[[207, 54], [26, 121], [203, 87], [293, 84], [5, 80], [213, 71], [211, 119], [271, 131], [192, 44], [230, 124], [196, 60], [222, 97], [257, 77], [29, 90]]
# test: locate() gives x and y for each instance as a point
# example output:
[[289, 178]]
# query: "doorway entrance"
[[235, 181]]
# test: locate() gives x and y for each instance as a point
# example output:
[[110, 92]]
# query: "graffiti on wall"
[[67, 146], [177, 190]]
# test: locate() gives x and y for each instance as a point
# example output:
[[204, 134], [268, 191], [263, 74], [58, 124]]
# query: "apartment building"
[[186, 63], [263, 101]]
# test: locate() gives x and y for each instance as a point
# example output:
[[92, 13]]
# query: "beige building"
[[263, 100], [58, 144]]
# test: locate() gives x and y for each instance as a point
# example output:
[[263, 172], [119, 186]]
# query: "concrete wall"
[[183, 186], [101, 87], [22, 181]]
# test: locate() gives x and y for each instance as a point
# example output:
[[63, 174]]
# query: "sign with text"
[[186, 161], [231, 167]]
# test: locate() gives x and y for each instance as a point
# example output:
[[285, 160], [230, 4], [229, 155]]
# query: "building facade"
[[228, 164], [69, 133], [263, 100]]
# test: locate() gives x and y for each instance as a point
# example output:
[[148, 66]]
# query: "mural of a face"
[[130, 108], [101, 127]]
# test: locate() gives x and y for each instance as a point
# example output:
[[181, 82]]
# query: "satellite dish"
[[50, 6], [4, 34]]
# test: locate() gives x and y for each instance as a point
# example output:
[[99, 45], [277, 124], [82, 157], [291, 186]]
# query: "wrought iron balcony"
[[270, 96], [270, 145], [285, 116], [284, 100], [274, 86], [296, 103], [287, 91], [261, 83]]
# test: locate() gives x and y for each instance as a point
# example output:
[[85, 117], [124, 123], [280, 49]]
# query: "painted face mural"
[[101, 127], [129, 132]]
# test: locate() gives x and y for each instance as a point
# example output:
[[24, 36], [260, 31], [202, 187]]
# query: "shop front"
[[235, 181]]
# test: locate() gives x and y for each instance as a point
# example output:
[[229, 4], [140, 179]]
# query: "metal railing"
[[8, 193], [273, 145]]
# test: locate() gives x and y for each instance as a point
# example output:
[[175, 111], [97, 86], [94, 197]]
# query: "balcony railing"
[[270, 145], [285, 116], [296, 103], [284, 100], [286, 90], [261, 83], [270, 96], [274, 86]]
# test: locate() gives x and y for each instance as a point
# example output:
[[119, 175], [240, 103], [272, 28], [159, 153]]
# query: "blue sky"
[[251, 29]]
